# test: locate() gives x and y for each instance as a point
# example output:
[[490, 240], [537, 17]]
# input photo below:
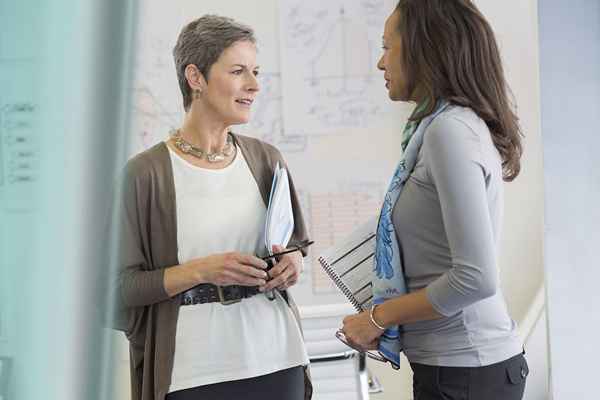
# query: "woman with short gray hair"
[[191, 281]]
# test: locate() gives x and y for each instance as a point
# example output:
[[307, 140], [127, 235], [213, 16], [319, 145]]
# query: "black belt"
[[209, 293]]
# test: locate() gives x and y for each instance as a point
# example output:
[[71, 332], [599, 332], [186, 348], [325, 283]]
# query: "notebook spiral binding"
[[338, 282]]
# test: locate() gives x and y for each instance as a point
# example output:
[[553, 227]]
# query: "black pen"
[[300, 246], [270, 294]]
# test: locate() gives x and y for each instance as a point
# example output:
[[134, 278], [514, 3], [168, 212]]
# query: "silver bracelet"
[[373, 319]]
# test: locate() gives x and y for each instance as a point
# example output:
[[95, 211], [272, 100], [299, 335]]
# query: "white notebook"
[[279, 223], [350, 265]]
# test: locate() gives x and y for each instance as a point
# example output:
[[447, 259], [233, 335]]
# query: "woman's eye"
[[256, 73], [237, 72]]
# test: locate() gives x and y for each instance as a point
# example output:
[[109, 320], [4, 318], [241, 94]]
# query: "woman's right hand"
[[231, 268]]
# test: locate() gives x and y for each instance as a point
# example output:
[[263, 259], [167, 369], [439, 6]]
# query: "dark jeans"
[[501, 381], [286, 384]]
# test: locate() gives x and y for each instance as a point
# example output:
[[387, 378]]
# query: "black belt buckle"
[[223, 296]]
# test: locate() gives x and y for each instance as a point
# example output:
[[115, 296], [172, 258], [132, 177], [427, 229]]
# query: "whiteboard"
[[341, 167], [329, 53]]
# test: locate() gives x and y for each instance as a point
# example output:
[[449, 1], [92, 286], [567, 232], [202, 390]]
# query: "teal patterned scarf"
[[388, 280]]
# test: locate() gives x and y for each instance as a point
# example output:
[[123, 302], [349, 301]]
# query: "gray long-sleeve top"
[[447, 221]]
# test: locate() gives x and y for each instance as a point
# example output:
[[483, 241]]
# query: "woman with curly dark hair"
[[436, 290]]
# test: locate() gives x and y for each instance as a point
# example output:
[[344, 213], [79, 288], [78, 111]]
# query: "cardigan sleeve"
[[138, 283]]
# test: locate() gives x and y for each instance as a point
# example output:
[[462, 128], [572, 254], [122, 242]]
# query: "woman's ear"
[[195, 78]]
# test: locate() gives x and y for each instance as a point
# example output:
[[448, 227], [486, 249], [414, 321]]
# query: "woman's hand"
[[286, 272], [230, 269], [360, 331]]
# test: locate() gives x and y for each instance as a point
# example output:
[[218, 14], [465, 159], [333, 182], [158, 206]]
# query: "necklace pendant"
[[214, 158], [188, 148]]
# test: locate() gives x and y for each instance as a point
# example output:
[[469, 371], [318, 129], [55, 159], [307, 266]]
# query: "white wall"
[[515, 25]]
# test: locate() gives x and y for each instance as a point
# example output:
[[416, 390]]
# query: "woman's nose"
[[253, 84], [380, 64]]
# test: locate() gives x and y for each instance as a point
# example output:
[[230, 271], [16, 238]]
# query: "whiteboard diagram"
[[332, 217], [156, 105], [151, 119], [266, 122], [329, 65]]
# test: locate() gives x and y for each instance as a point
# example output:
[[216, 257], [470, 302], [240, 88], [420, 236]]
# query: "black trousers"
[[501, 381], [286, 384]]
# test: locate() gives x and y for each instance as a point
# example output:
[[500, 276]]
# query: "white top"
[[220, 211]]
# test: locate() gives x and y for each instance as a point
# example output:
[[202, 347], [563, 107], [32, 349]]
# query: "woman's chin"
[[239, 120]]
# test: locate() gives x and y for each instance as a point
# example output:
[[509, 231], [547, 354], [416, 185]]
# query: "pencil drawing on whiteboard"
[[267, 120], [333, 48]]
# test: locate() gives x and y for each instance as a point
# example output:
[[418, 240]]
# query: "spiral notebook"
[[350, 265]]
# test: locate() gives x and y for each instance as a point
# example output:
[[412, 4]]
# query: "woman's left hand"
[[360, 331], [286, 272]]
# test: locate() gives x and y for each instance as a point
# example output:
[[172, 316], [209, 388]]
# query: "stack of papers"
[[280, 218]]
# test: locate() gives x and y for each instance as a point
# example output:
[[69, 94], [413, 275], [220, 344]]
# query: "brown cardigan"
[[148, 244]]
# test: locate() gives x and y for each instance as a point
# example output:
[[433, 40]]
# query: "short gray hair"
[[201, 43]]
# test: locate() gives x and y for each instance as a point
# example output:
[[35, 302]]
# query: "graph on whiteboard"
[[329, 53], [332, 217], [267, 120]]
